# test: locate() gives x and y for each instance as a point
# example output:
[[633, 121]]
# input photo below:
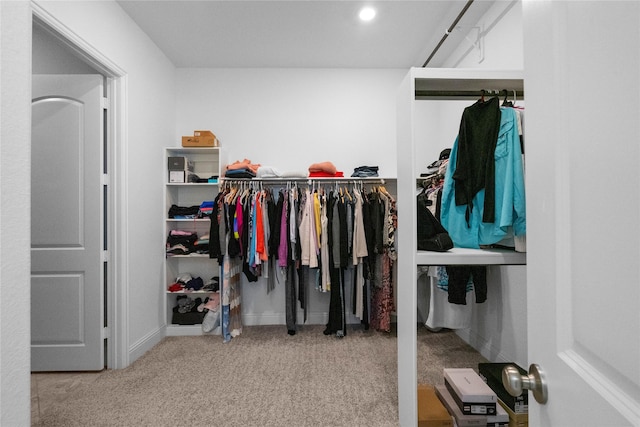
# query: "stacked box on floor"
[[500, 419], [431, 412], [491, 373], [517, 407], [515, 420], [473, 395]]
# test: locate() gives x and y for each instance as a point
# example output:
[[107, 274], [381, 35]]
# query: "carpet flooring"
[[264, 377]]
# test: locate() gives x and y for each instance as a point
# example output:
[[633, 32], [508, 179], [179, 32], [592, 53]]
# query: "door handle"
[[515, 383]]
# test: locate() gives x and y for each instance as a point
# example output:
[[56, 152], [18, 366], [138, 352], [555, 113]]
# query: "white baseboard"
[[145, 344], [484, 347], [189, 330], [279, 318], [261, 319]]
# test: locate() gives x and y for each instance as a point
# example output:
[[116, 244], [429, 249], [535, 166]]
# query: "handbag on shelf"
[[432, 236]]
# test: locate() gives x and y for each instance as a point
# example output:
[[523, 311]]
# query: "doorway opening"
[[56, 50]]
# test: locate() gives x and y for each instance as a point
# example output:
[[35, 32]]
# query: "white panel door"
[[582, 120], [66, 223]]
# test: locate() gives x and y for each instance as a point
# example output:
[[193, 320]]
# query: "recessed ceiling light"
[[367, 14]]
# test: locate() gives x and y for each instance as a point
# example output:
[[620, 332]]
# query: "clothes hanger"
[[346, 191], [506, 102]]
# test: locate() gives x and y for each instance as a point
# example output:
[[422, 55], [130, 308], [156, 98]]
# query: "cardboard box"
[[491, 373], [515, 420], [431, 411], [473, 395], [200, 138]]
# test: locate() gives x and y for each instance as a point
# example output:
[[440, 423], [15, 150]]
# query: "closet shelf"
[[192, 184], [341, 179], [192, 292], [188, 256], [188, 220], [466, 256]]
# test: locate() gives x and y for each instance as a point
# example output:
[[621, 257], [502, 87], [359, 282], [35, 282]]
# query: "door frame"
[[117, 307]]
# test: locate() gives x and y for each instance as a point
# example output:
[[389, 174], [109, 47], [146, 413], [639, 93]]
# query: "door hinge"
[[106, 255], [105, 103], [104, 179], [106, 333]]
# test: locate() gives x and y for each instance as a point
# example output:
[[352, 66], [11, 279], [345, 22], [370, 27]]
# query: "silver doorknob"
[[515, 383]]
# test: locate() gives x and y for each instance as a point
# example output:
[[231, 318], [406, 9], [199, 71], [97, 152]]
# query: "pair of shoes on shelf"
[[212, 284], [212, 318]]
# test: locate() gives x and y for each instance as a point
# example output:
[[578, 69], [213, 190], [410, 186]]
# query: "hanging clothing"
[[459, 279], [475, 168], [467, 229], [231, 298], [329, 238]]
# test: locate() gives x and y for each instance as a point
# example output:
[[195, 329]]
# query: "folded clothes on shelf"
[[365, 171]]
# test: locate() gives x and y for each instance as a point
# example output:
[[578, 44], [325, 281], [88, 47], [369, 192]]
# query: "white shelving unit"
[[424, 85], [207, 162]]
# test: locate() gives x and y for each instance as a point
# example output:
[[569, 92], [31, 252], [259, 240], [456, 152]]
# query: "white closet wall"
[[290, 118], [501, 40]]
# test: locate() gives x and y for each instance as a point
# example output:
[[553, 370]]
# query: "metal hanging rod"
[[462, 94], [449, 30], [276, 181]]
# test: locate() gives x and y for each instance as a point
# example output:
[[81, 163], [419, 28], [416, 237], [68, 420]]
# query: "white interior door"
[[582, 84], [67, 277]]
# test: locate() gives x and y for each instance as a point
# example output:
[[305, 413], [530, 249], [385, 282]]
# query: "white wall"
[[50, 56], [149, 126], [499, 328], [501, 34], [15, 241], [291, 118]]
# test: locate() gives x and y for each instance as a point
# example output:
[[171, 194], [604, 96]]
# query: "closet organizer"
[[308, 234], [417, 134]]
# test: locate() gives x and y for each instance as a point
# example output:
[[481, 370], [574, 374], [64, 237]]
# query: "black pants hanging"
[[290, 299], [459, 277], [336, 322]]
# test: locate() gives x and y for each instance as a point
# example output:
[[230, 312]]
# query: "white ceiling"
[[302, 33]]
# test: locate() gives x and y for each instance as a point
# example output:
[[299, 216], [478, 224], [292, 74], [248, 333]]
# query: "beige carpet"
[[262, 378]]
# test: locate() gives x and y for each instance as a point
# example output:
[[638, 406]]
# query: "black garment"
[[274, 238], [272, 211], [233, 248], [459, 277], [290, 299], [368, 262], [336, 323], [215, 251], [376, 212], [303, 295], [344, 244], [475, 165]]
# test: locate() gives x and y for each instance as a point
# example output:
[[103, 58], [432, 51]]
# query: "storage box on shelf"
[[207, 164]]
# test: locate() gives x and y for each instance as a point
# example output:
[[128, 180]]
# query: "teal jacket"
[[510, 206]]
